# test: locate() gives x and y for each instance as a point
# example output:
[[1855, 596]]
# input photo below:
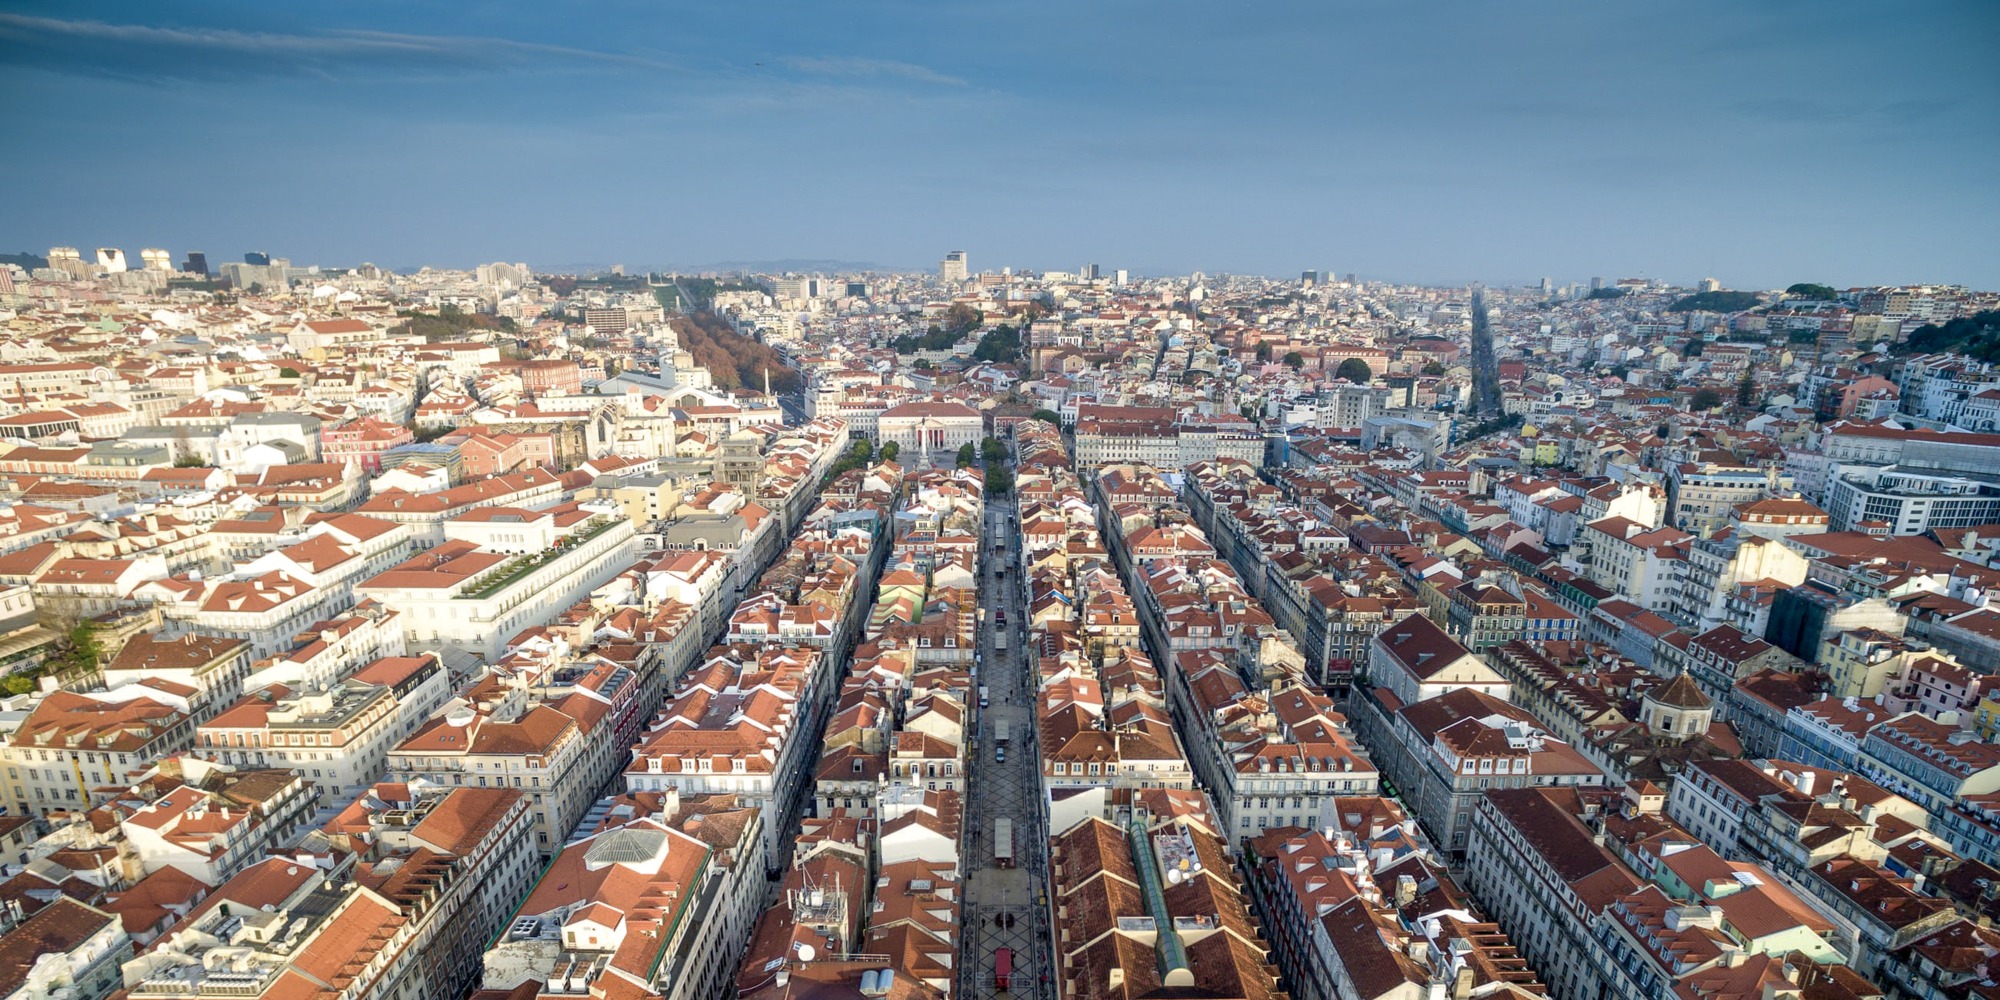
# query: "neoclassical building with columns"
[[934, 430]]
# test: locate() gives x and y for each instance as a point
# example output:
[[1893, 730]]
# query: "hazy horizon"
[[1760, 145]]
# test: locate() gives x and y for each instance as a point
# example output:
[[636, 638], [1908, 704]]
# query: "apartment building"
[[1119, 920], [282, 928], [66, 949], [505, 743], [339, 735], [71, 745], [606, 915], [1537, 866], [221, 821], [735, 726], [1701, 496], [215, 667]]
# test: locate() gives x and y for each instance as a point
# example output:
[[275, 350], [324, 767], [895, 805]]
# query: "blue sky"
[[1760, 143]]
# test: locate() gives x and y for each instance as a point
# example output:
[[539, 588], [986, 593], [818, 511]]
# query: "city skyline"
[[1489, 146]]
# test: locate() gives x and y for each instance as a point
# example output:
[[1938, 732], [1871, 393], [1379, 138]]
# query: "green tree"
[[1049, 415], [1295, 360], [1606, 293], [1705, 399], [1810, 290], [1746, 390], [965, 455], [992, 450], [1263, 351], [961, 319], [1433, 368], [999, 481], [890, 450], [922, 365], [1977, 335], [863, 449], [1354, 370], [1715, 302], [1000, 344], [288, 372]]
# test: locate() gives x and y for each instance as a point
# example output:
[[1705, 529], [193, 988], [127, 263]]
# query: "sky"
[[1760, 143]]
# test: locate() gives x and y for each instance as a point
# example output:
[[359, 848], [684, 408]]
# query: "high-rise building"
[[954, 266], [1596, 283], [196, 263], [69, 261], [607, 321], [1309, 278], [111, 259], [1121, 277], [1350, 278], [155, 259], [1710, 285], [257, 258], [6, 279], [1546, 286], [1090, 272]]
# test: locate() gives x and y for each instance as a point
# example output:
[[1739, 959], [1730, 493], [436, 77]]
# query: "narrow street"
[[1004, 906]]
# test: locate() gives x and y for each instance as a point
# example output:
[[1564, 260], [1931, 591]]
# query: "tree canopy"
[[992, 451], [999, 481], [1612, 292], [1000, 345], [1705, 399], [1354, 370], [451, 324], [1810, 290], [1049, 415], [1295, 360], [1977, 335], [890, 450], [965, 454], [934, 339], [962, 319], [735, 361], [858, 455], [1715, 302]]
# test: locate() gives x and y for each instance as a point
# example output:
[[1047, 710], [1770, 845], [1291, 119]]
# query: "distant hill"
[[25, 260], [786, 264]]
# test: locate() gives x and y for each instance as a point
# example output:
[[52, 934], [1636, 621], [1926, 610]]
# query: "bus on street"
[[1003, 843]]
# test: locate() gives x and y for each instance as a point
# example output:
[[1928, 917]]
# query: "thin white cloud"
[[859, 68], [179, 48]]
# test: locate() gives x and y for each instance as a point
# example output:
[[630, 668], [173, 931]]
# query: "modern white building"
[[467, 600], [955, 267]]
